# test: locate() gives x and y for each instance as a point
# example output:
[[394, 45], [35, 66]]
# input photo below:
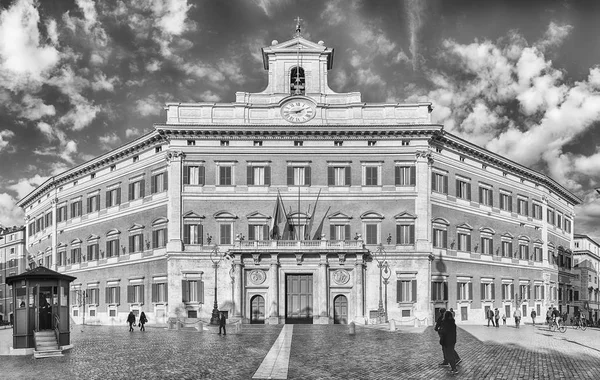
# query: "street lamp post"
[[82, 298], [380, 256], [216, 258], [386, 274]]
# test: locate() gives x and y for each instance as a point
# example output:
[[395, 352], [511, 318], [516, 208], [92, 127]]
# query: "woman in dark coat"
[[131, 320], [449, 340], [143, 321]]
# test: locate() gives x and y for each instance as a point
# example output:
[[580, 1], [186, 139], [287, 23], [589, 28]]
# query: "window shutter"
[[493, 291], [97, 200], [185, 287], [130, 295], [481, 195], [266, 231], [119, 196], [130, 191], [470, 291], [200, 291], [434, 295], [118, 297], [445, 291], [88, 205], [414, 290], [457, 188], [348, 176], [186, 175], [307, 175], [290, 175], [413, 176], [142, 188], [201, 175], [154, 293], [347, 232], [107, 295], [200, 234], [268, 175], [543, 287], [510, 203], [153, 183], [250, 175], [411, 233], [435, 242], [482, 287], [250, 232], [445, 237], [165, 180], [445, 184], [528, 292], [166, 293], [155, 239], [398, 291], [332, 232], [512, 290], [458, 290], [397, 175], [503, 292], [186, 234], [433, 176], [108, 199], [468, 191], [468, 243], [131, 244], [398, 235], [330, 175]]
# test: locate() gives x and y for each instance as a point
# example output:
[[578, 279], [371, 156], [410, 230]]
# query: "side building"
[[13, 261], [301, 205], [586, 264]]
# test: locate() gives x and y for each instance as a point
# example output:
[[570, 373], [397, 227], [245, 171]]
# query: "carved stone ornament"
[[426, 154], [256, 257], [298, 258], [257, 277], [341, 277], [174, 154], [342, 258]]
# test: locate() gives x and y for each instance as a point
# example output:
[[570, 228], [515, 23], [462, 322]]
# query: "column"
[[323, 289], [174, 160], [274, 292], [358, 287], [54, 240], [238, 294], [422, 202]]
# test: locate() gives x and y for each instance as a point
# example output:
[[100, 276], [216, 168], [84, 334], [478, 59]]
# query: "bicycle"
[[581, 323], [560, 326]]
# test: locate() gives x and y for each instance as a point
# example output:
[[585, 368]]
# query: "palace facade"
[[13, 261], [586, 266], [301, 205]]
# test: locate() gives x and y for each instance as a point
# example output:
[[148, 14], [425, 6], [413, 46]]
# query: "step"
[[47, 354], [45, 338], [46, 344], [44, 334], [47, 348]]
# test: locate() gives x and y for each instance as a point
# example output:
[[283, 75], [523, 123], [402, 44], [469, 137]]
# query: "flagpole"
[[298, 233]]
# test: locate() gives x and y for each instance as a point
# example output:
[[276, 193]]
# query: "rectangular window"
[[48, 219], [464, 242], [136, 190], [258, 232], [136, 243], [406, 291], [93, 251], [405, 234], [225, 176], [507, 292], [259, 175], [48, 262], [76, 255], [486, 196], [338, 176], [372, 232], [192, 291], [339, 231], [93, 203], [75, 209], [112, 248], [487, 291], [159, 183], [31, 228], [522, 207], [62, 258], [405, 175], [464, 291], [439, 183], [298, 175], [567, 225], [159, 238], [225, 233], [523, 252], [537, 253], [536, 211], [550, 216], [39, 224], [506, 202], [439, 291], [159, 292], [371, 176], [135, 294], [506, 249], [559, 220], [93, 296], [463, 189], [192, 234], [61, 213], [113, 295], [487, 245], [440, 238], [193, 175], [113, 197]]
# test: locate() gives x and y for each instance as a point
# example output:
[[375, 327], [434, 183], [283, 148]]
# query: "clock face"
[[298, 111]]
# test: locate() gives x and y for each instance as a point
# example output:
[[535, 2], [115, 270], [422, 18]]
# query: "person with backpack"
[[533, 315], [131, 320], [143, 321]]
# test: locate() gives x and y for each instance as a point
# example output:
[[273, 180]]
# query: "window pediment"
[[160, 221], [487, 230], [257, 216], [508, 235], [465, 226], [405, 215], [371, 215], [113, 232], [76, 241], [538, 241], [224, 215], [135, 227], [192, 215], [524, 238], [440, 221], [61, 245], [338, 215], [93, 237]]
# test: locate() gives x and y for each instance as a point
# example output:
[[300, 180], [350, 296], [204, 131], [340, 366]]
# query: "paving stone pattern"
[[317, 352]]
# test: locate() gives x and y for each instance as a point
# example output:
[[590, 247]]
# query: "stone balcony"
[[300, 246]]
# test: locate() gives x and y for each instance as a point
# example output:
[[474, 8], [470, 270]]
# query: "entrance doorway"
[[44, 307], [257, 310], [340, 310], [299, 298]]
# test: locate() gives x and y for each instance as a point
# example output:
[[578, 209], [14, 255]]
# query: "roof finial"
[[298, 29]]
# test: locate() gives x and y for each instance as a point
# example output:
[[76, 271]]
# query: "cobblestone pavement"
[[317, 352]]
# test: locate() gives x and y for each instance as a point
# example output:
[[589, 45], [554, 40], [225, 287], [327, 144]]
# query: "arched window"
[[297, 84]]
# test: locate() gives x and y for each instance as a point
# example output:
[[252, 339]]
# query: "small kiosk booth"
[[41, 302]]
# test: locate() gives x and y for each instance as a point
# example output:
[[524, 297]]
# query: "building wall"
[[12, 262]]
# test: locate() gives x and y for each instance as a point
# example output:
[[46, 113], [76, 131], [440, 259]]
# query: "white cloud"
[[109, 141], [271, 6], [89, 12], [131, 132], [33, 108], [554, 36], [153, 66], [209, 96], [25, 186], [149, 106], [10, 213], [102, 83], [5, 136]]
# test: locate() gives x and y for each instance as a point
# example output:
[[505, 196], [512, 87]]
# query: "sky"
[[520, 78]]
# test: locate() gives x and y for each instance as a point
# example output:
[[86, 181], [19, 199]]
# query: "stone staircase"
[[46, 345]]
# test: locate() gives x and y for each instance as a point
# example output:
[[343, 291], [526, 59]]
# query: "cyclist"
[[556, 317]]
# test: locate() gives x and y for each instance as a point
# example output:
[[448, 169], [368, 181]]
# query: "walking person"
[[131, 320], [533, 315], [222, 322], [517, 316], [490, 317], [438, 328], [497, 317], [549, 315], [143, 321], [503, 319], [449, 340]]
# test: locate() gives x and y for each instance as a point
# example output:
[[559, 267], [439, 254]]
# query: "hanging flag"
[[319, 230], [312, 217], [279, 222]]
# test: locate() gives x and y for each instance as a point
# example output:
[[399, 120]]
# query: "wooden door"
[[257, 309], [299, 298], [340, 310]]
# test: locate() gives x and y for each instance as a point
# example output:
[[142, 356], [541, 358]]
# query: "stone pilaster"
[[422, 202], [274, 292], [237, 290], [359, 288], [323, 289], [174, 160], [54, 234]]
